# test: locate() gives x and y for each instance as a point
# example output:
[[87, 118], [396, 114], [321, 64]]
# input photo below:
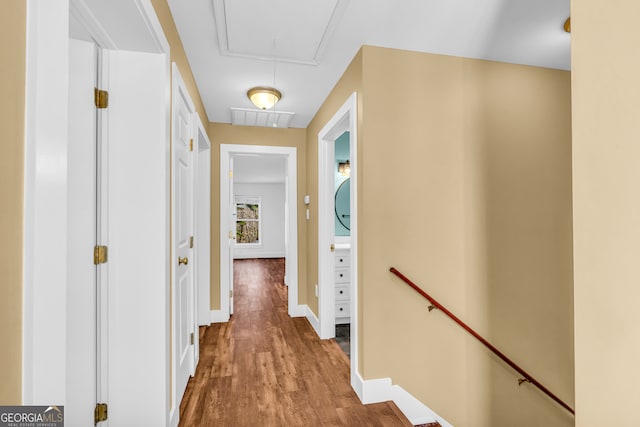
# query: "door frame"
[[45, 356], [226, 152], [203, 225], [345, 119]]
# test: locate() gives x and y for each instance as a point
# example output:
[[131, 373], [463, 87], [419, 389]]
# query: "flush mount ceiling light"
[[264, 97]]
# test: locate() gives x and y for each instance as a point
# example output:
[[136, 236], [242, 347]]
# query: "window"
[[248, 221]]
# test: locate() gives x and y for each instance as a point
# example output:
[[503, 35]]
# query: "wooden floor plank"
[[265, 368]]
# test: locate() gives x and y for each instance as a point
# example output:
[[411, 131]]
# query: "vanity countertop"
[[342, 242]]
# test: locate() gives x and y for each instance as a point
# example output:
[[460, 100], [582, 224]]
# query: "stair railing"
[[526, 376]]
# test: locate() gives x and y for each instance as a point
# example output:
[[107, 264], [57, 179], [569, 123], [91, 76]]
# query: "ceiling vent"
[[265, 118]]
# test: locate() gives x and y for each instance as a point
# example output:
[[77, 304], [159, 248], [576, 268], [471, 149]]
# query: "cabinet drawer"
[[342, 293], [342, 260], [342, 309], [342, 275]]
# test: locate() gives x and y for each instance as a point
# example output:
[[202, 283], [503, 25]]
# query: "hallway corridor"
[[264, 368]]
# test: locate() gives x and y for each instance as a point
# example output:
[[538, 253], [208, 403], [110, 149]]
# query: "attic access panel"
[[301, 29]]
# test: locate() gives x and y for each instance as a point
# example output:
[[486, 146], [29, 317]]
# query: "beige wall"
[[245, 135], [12, 104], [606, 177], [464, 185], [179, 56]]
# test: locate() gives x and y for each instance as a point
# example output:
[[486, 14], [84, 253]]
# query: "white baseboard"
[[382, 390], [298, 311], [311, 317], [412, 408], [174, 417], [375, 391], [357, 383], [218, 317]]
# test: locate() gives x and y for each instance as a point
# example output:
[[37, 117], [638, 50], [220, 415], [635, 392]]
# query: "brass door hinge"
[[230, 294], [101, 98], [191, 144], [101, 413], [191, 242], [230, 174], [99, 255], [192, 338]]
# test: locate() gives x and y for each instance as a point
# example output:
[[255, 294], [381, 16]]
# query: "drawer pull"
[[341, 260], [341, 309], [341, 292], [341, 275]]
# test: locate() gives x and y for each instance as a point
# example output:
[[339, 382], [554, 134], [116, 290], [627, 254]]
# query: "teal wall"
[[341, 156]]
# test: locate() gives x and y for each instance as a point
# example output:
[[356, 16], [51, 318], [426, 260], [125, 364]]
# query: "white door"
[[326, 238], [183, 284], [81, 216], [232, 232]]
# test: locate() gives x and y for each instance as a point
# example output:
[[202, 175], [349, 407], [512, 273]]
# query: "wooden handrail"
[[486, 343]]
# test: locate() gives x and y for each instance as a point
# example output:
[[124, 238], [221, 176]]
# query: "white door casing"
[[345, 119], [203, 225], [44, 342], [182, 231], [227, 151]]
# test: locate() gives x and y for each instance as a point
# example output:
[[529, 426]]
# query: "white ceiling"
[[231, 44]]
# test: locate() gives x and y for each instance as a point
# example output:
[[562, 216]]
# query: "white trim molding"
[[382, 390], [311, 317], [299, 310], [217, 316], [45, 203]]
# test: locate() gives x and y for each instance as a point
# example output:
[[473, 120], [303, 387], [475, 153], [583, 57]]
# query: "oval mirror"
[[342, 204]]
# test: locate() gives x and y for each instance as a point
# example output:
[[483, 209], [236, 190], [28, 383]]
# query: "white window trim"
[[256, 200]]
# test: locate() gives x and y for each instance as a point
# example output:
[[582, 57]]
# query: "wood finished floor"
[[264, 368]]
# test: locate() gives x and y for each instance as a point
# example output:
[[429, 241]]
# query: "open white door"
[[81, 322], [183, 336], [232, 232], [326, 239]]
